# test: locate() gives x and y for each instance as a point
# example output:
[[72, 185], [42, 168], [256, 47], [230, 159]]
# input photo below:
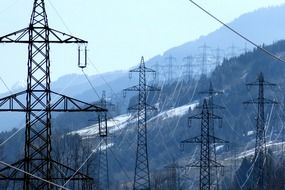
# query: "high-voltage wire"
[[238, 33]]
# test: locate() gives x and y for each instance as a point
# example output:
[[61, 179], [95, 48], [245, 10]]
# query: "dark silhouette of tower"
[[188, 67], [103, 173], [212, 107], [170, 60], [142, 178], [38, 170], [204, 62], [206, 139], [259, 158]]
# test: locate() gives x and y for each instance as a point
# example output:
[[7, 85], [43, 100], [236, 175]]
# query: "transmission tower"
[[170, 60], [218, 56], [211, 107], [259, 158], [38, 170], [188, 67], [103, 169], [206, 139], [204, 62], [141, 178]]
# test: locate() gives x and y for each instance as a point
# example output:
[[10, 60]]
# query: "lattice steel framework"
[[40, 102], [142, 178], [212, 107], [103, 169], [259, 158], [206, 162]]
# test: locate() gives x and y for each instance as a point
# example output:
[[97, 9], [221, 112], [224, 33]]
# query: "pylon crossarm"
[[198, 116], [214, 116], [195, 164], [62, 103], [16, 37], [152, 88], [213, 139], [137, 88], [145, 69], [213, 106], [215, 164], [192, 140], [73, 173], [60, 37], [55, 36], [257, 83], [257, 101], [148, 107], [13, 102], [133, 88]]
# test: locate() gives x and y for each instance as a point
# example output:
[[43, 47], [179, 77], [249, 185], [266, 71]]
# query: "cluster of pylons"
[[38, 170]]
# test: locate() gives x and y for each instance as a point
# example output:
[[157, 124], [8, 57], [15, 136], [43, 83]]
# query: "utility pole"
[[206, 139], [142, 178], [38, 170], [259, 158]]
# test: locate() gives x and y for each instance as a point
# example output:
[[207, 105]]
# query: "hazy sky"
[[119, 32]]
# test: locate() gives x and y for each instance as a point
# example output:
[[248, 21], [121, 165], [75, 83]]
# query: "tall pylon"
[[206, 162], [103, 169], [204, 62], [142, 177], [188, 67], [170, 60], [259, 158], [38, 170], [212, 107]]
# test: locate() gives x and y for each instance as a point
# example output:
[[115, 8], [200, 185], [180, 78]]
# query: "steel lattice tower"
[[188, 70], [212, 107], [103, 173], [206, 162], [260, 141], [40, 103], [170, 60], [142, 178]]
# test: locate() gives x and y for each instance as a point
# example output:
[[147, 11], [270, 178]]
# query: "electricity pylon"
[[259, 158], [212, 107], [170, 59], [142, 178], [204, 60], [188, 67], [38, 170], [103, 169], [206, 139]]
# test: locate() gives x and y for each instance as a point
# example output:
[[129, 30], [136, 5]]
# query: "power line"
[[238, 33], [39, 178]]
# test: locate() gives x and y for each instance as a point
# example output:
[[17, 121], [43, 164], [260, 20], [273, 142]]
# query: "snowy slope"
[[121, 122]]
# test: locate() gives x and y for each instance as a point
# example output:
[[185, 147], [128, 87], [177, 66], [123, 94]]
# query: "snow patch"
[[115, 124], [175, 112], [250, 133]]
